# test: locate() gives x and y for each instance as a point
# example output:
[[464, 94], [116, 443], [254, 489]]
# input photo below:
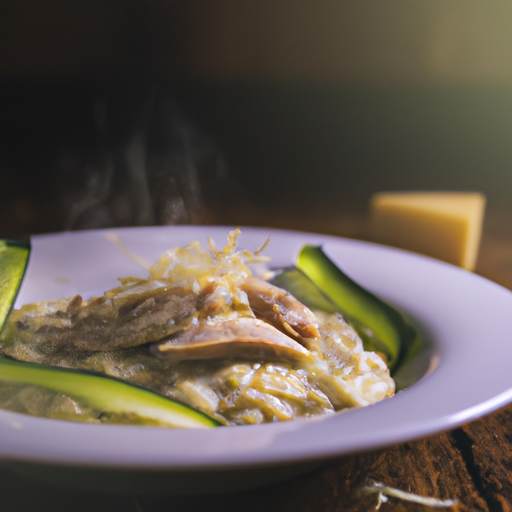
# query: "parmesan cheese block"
[[444, 225]]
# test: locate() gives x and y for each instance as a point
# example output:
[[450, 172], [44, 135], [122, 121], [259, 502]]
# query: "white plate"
[[466, 317]]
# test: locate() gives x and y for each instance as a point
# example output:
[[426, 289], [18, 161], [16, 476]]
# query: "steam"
[[145, 172]]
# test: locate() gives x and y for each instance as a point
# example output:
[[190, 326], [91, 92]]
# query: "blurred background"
[[290, 112]]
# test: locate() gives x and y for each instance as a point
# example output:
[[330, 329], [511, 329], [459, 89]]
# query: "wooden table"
[[472, 463]]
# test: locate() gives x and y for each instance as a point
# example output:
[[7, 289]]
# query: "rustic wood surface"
[[472, 464]]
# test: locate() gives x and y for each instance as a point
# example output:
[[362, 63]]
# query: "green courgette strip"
[[106, 394], [384, 322], [13, 261], [302, 288]]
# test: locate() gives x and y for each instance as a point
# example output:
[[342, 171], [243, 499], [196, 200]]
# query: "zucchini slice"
[[382, 327], [13, 261], [303, 289], [107, 394]]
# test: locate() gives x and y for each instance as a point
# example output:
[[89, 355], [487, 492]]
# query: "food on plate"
[[204, 331], [444, 225]]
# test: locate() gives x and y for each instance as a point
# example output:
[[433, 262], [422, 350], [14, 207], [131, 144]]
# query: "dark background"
[[299, 107]]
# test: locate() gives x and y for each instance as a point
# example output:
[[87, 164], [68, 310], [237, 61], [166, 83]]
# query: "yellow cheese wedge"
[[444, 225]]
